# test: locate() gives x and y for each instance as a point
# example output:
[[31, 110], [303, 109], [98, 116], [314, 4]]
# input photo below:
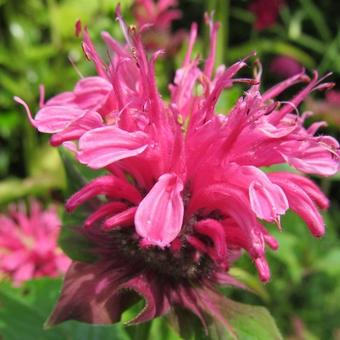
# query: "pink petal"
[[52, 119], [263, 269], [103, 146], [311, 189], [90, 120], [159, 216], [62, 99], [106, 209], [267, 200], [13, 261], [92, 92], [106, 185], [312, 157], [24, 273], [301, 204], [122, 219], [215, 231]]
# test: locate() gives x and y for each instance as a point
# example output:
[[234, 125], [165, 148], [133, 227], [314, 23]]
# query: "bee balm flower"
[[28, 247], [183, 191], [154, 19]]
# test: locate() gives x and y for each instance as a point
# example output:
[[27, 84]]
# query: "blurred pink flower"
[[327, 109], [28, 244], [184, 190], [266, 12], [285, 66], [154, 19], [333, 97], [160, 13]]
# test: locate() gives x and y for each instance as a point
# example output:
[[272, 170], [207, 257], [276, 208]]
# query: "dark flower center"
[[183, 264]]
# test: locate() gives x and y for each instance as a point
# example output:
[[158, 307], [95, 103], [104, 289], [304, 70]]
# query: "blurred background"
[[38, 45]]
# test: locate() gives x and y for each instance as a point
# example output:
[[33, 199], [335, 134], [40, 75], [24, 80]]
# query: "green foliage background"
[[36, 43]]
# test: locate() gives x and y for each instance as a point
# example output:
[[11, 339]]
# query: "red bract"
[[184, 190], [28, 244]]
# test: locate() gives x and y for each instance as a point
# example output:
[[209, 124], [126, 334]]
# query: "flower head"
[[28, 247], [154, 19], [184, 189]]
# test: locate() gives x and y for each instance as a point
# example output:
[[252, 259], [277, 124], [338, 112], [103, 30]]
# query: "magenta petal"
[[62, 99], [105, 210], [24, 273], [302, 204], [312, 157], [52, 119], [106, 185], [122, 219], [90, 120], [215, 231], [267, 200], [263, 269], [310, 188], [92, 92], [103, 146], [159, 216]]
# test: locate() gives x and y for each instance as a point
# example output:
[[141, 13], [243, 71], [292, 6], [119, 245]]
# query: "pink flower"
[[266, 12], [327, 109], [156, 13], [333, 97], [154, 18], [184, 191], [285, 66], [28, 244]]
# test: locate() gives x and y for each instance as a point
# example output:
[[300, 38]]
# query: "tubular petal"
[[106, 185], [90, 120], [267, 200], [102, 146], [122, 219], [159, 216], [302, 204]]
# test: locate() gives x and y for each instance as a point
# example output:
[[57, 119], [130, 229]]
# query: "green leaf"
[[251, 281], [329, 263], [287, 254], [23, 312], [243, 322], [71, 240], [77, 175], [248, 322]]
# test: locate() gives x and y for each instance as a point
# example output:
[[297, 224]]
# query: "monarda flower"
[[328, 109], [154, 19], [181, 192], [28, 244]]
